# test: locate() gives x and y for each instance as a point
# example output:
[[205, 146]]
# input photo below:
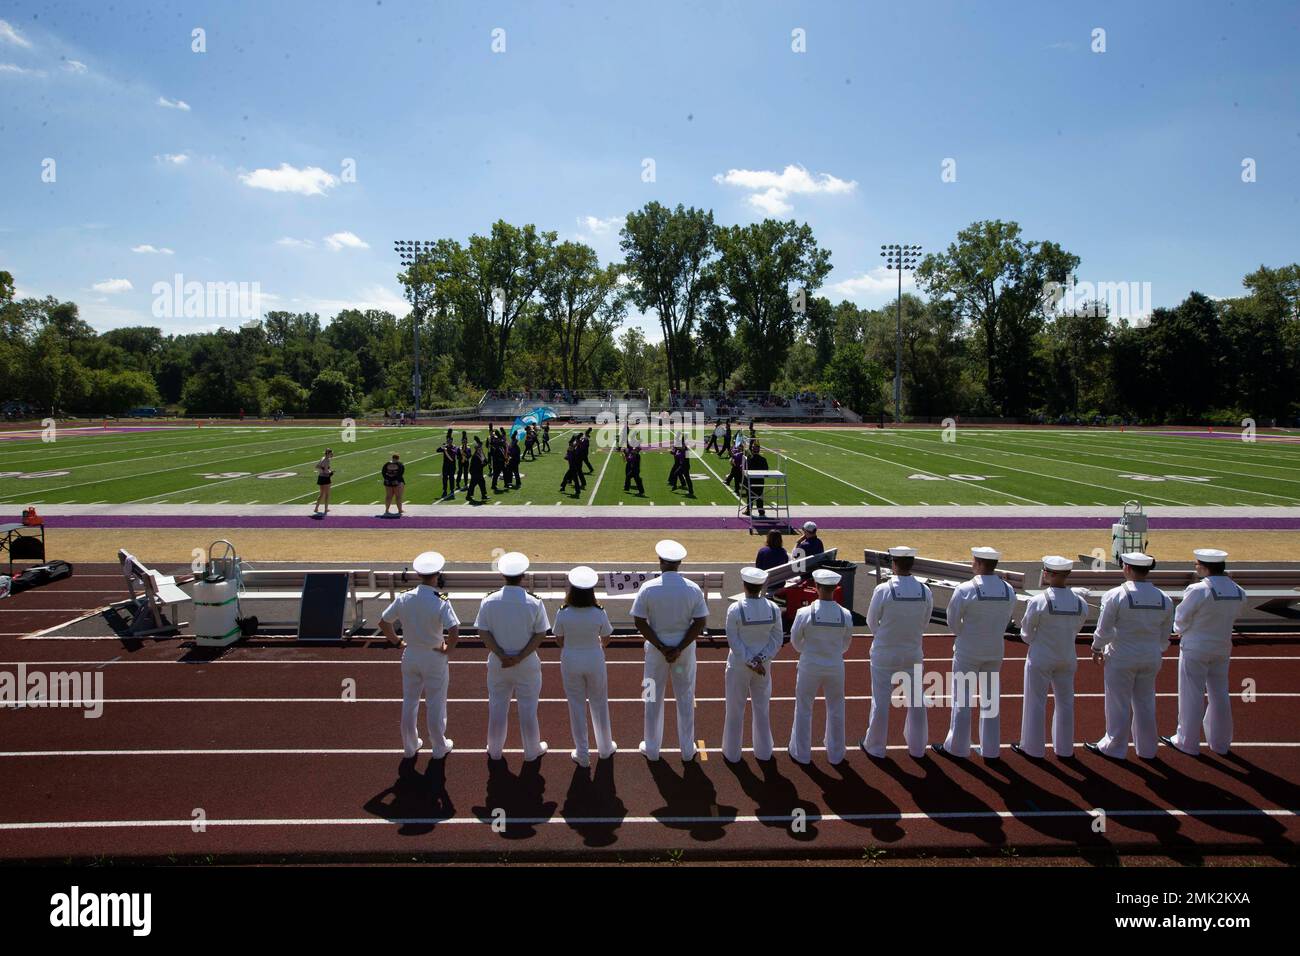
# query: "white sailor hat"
[[1054, 562], [1137, 559], [826, 576], [986, 554], [583, 577], [512, 563], [753, 575], [670, 550], [429, 562], [902, 551], [810, 525], [1210, 555]]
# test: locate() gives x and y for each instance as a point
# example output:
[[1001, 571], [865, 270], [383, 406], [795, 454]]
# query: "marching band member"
[[430, 629], [754, 638], [978, 613], [1132, 633], [512, 624], [582, 630], [1203, 622], [899, 611], [822, 633], [670, 612], [1052, 620]]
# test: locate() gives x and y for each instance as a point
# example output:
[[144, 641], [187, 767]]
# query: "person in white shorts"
[[899, 611], [582, 630], [822, 633], [1133, 630], [1203, 623], [1052, 620], [430, 630], [754, 638], [512, 624]]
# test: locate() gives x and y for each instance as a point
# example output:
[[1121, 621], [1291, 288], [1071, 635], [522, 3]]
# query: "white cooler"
[[216, 613]]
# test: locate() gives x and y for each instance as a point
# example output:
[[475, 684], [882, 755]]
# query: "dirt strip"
[[594, 545]]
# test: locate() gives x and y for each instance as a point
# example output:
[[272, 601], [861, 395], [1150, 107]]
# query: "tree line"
[[984, 335]]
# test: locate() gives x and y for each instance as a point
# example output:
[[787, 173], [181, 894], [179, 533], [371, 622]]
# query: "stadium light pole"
[[900, 258], [411, 252]]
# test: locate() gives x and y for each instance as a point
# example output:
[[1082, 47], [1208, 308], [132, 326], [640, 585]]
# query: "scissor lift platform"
[[775, 498]]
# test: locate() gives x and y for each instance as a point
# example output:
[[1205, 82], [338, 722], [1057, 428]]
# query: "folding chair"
[[151, 591]]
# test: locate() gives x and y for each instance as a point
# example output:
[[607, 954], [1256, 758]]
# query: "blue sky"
[[232, 160]]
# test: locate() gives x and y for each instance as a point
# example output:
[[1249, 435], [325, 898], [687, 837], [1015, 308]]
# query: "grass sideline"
[[270, 464]]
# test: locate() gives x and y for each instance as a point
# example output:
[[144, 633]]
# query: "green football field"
[[846, 467]]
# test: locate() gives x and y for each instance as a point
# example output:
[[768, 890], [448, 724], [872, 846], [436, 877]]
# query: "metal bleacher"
[[584, 408]]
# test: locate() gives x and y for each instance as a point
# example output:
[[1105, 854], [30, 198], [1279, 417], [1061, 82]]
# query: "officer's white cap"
[[902, 551], [987, 554], [670, 550], [429, 562], [1137, 559], [810, 525], [1054, 562], [583, 577], [1210, 555], [826, 576], [753, 575], [512, 564]]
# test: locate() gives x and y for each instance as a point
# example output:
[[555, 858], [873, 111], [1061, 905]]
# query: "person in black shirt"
[[513, 455], [585, 448], [546, 435], [462, 462], [477, 459], [756, 462], [448, 451], [530, 442], [574, 471], [497, 456], [632, 469], [393, 474], [725, 450], [737, 473]]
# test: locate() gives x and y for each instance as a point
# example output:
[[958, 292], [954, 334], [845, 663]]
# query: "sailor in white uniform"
[[430, 630], [978, 613], [512, 624], [754, 637], [582, 630], [1051, 622], [899, 611], [1203, 623], [670, 612], [822, 633], [1133, 630]]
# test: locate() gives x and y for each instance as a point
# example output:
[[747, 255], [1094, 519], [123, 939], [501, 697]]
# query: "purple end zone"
[[679, 522]]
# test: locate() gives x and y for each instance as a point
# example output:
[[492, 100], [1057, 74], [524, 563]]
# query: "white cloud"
[[10, 35], [174, 104], [770, 191], [311, 181], [75, 66], [113, 285], [372, 297], [345, 240], [176, 159], [22, 71], [601, 227], [151, 249], [295, 243], [876, 282]]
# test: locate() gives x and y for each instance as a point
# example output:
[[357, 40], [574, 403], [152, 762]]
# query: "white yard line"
[[599, 478]]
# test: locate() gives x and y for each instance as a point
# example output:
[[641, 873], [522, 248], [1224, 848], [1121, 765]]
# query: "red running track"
[[261, 748]]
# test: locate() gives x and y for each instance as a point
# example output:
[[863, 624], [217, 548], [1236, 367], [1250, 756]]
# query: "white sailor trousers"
[[424, 674], [1059, 676], [681, 675], [523, 682], [586, 683], [810, 681], [1197, 679], [744, 685], [884, 665], [1130, 709], [971, 675]]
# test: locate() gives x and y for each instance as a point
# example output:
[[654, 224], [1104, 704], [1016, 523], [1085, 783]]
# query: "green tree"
[[582, 304], [331, 392]]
